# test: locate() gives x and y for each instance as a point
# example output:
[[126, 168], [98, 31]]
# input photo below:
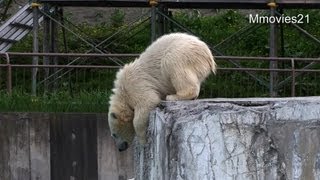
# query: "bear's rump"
[[187, 58]]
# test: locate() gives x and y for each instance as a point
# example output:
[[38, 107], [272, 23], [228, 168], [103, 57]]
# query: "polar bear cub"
[[171, 68]]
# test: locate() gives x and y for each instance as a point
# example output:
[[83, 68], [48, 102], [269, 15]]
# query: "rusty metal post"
[[162, 20], [153, 19], [273, 50], [9, 75], [282, 54], [46, 45], [54, 46], [293, 84], [35, 59]]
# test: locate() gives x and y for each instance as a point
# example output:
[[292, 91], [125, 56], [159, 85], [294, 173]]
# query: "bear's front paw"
[[142, 140], [171, 98]]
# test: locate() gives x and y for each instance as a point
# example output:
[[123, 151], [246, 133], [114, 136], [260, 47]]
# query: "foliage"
[[4, 7], [117, 18], [55, 102], [93, 86]]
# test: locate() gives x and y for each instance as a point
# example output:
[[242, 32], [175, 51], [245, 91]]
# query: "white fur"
[[171, 68]]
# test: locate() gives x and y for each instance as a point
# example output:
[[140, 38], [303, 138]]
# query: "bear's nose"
[[123, 146]]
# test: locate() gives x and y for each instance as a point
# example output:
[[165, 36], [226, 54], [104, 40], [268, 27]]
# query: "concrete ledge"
[[222, 139]]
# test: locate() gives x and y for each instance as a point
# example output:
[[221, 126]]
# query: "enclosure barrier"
[[293, 70]]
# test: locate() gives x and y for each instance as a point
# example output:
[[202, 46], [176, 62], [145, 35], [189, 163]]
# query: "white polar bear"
[[172, 68]]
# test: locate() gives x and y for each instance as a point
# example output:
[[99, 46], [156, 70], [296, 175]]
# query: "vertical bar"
[[282, 36], [153, 23], [273, 51], [166, 22], [161, 20], [9, 75], [35, 59], [46, 46], [65, 45], [170, 23], [293, 84], [53, 41], [9, 78]]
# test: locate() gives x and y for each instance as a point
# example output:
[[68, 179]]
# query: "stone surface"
[[226, 139], [44, 146]]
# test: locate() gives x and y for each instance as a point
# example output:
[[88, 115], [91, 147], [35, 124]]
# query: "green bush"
[[93, 86], [117, 18]]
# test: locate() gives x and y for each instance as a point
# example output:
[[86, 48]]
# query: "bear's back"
[[166, 44]]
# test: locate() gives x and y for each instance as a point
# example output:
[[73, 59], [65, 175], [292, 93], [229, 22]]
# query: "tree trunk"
[[225, 139]]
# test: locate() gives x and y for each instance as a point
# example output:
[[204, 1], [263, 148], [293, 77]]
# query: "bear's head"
[[120, 118]]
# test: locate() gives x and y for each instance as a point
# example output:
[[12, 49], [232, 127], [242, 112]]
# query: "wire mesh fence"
[[96, 73]]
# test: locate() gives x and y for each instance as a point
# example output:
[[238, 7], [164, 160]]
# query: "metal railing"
[[294, 71]]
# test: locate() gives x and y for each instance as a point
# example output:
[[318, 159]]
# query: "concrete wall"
[[226, 139], [204, 139], [47, 146]]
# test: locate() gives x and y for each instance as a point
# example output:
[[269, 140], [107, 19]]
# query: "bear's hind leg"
[[187, 86]]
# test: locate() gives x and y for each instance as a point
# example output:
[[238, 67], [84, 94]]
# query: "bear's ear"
[[113, 115]]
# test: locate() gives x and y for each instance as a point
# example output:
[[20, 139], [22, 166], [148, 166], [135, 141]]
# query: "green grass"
[[55, 102]]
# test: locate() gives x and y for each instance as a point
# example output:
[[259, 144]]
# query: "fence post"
[[273, 50], [293, 84], [54, 47], [46, 46], [153, 19], [35, 59], [9, 75]]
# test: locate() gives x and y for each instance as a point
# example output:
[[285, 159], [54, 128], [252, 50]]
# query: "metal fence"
[[236, 77]]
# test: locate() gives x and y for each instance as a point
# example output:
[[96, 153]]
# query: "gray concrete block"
[[222, 139]]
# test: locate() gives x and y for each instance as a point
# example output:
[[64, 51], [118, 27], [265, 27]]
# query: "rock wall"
[[226, 139]]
